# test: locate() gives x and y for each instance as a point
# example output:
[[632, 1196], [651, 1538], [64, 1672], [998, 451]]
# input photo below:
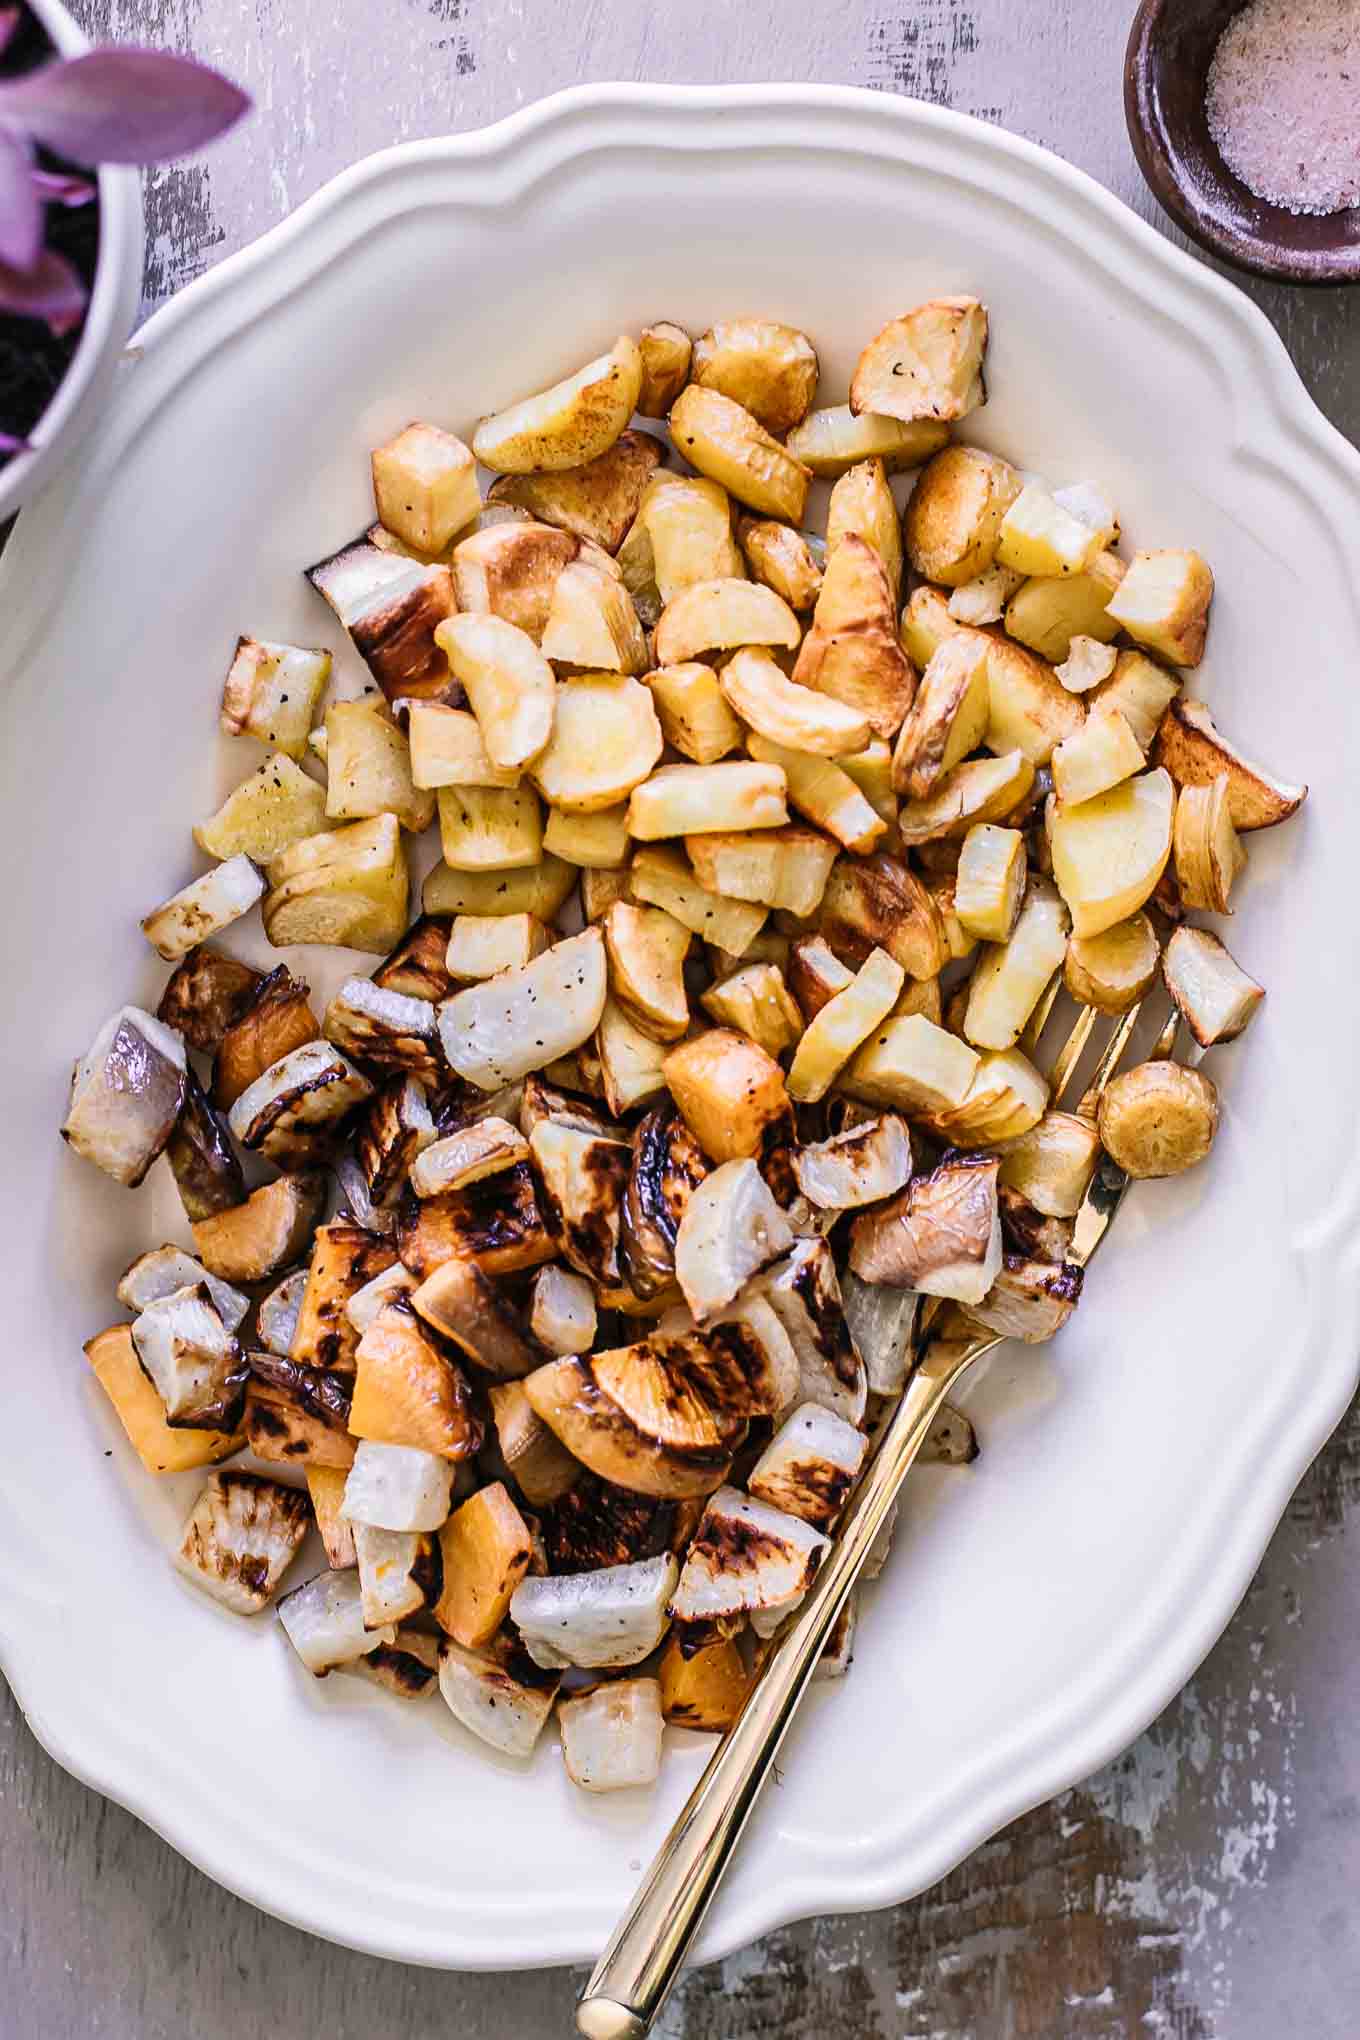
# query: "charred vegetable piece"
[[385, 1288], [204, 1163], [204, 908], [277, 1020], [613, 1617], [486, 1549], [809, 1465], [485, 1694], [460, 1303], [464, 1157], [731, 1227], [409, 1667], [596, 1524], [391, 1133], [524, 1019], [1027, 1231], [1029, 1300], [408, 1392], [113, 1360], [746, 1559], [582, 1182], [294, 1112], [637, 1420], [385, 1030], [667, 1166], [881, 1321], [345, 1259], [731, 1093], [863, 1165], [126, 1095], [286, 1425], [942, 1236], [611, 1738], [324, 1622], [704, 1690], [164, 1270], [326, 1486], [241, 1538], [207, 993], [400, 1572], [416, 968], [272, 1228], [391, 606], [542, 1469], [192, 1360], [496, 1223], [805, 1295]]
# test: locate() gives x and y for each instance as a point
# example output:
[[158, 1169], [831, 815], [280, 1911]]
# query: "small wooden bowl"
[[1165, 72]]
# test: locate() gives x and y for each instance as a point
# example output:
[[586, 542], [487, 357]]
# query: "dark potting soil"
[[32, 359]]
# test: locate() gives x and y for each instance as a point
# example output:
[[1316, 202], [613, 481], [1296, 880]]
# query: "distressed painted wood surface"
[[1201, 1887]]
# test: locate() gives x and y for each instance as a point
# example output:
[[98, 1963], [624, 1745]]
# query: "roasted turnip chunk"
[[398, 1573], [860, 1166], [358, 1201], [611, 1738], [204, 908], [241, 1538], [562, 1315], [194, 1363], [808, 1466], [387, 1030], [409, 1667], [391, 607], [836, 1660], [365, 1304], [881, 1320], [324, 1622], [126, 1095], [467, 1155], [271, 692], [524, 1019], [1029, 1300], [165, 1269], [299, 1103], [490, 1701], [806, 1298], [459, 1301], [746, 1559], [390, 1137], [582, 1181], [942, 1236], [748, 1357], [731, 1228], [203, 1162], [616, 1616], [397, 1487]]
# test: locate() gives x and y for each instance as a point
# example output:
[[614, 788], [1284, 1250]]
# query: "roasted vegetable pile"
[[569, 1256]]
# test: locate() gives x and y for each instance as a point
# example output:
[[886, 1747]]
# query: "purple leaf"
[[122, 106], [60, 188], [21, 218], [51, 291], [9, 21]]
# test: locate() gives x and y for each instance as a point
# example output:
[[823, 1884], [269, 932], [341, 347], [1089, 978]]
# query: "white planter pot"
[[113, 307]]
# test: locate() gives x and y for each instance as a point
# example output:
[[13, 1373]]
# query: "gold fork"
[[634, 1976]]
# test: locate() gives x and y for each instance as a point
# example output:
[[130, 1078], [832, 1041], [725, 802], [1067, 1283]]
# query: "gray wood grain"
[[1198, 1888]]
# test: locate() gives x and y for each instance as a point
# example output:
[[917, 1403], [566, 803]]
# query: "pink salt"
[[1283, 102]]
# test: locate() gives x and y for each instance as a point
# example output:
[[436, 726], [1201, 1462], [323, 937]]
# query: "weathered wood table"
[[1202, 1886]]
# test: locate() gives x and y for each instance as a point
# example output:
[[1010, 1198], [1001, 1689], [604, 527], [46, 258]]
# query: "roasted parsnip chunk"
[[271, 692], [666, 351], [783, 559], [562, 1319], [688, 524], [878, 903], [1052, 1165], [408, 1392], [240, 1539], [723, 615], [509, 571], [447, 749], [296, 1109], [647, 949], [725, 442], [913, 1065], [490, 828], [689, 800], [597, 500], [941, 1236], [660, 877], [843, 1023], [786, 713], [926, 623], [852, 651], [863, 1165], [496, 1032], [537, 889], [694, 716], [1195, 754], [1012, 976], [347, 888], [1163, 602], [823, 791], [592, 622], [1208, 854], [731, 1094], [948, 717], [1113, 970], [610, 1617], [1006, 1097], [756, 1002], [1050, 611], [480, 945], [126, 1095], [1037, 536], [768, 368], [1108, 853], [391, 606], [161, 1449], [425, 486], [926, 364], [368, 767], [810, 1465], [276, 806], [594, 842], [1030, 709], [611, 1737], [1215, 995], [631, 1063], [605, 740], [263, 1235], [782, 868], [954, 516], [1101, 754], [508, 682], [1158, 1119], [204, 908], [989, 886], [831, 441], [861, 501], [979, 790], [575, 421]]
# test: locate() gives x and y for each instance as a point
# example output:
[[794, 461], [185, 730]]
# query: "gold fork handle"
[[635, 1974]]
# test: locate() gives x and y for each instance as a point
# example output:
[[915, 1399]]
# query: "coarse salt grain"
[[1282, 98]]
